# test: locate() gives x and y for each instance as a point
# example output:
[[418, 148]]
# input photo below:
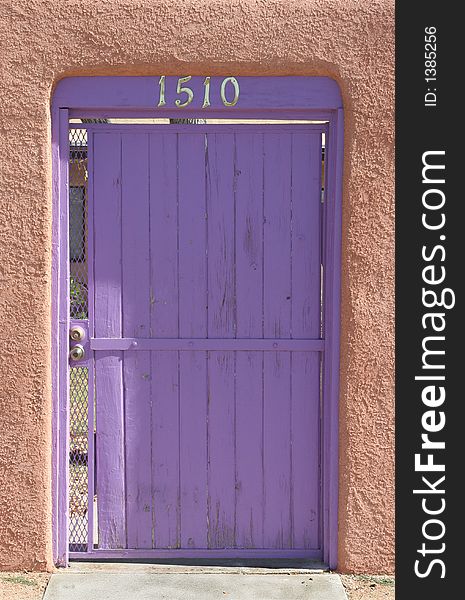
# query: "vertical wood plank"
[[136, 316], [249, 365], [164, 323], [306, 311], [221, 451], [277, 324], [108, 323], [306, 194], [192, 323], [305, 449], [277, 235], [165, 450], [221, 324], [220, 204]]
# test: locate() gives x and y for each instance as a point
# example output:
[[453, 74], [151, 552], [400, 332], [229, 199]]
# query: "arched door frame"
[[291, 98]]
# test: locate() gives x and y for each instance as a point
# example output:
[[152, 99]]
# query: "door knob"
[[77, 333], [77, 353]]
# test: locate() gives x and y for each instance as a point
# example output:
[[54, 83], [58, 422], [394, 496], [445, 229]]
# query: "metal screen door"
[[202, 347]]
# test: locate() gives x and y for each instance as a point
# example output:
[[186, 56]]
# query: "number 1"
[[161, 83], [206, 97]]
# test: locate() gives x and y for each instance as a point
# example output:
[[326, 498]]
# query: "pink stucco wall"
[[42, 41]]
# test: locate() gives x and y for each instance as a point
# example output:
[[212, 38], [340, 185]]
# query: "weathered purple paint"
[[199, 286], [303, 98], [249, 324], [136, 307], [108, 365], [164, 268], [305, 323]]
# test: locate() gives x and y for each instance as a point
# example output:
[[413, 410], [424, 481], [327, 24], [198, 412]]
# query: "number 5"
[[180, 90]]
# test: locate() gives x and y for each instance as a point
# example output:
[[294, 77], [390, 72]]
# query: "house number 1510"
[[229, 87]]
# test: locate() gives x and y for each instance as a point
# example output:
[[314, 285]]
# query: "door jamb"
[[59, 342]]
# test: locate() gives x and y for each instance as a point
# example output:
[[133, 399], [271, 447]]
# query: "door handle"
[[77, 333], [77, 353]]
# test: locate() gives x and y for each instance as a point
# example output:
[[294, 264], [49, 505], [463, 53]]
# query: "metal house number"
[[188, 94]]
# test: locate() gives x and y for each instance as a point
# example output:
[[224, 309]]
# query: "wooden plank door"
[[207, 319]]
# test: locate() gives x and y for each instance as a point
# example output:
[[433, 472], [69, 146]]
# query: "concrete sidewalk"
[[166, 582]]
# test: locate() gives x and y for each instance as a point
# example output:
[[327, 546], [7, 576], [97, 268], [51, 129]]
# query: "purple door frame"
[[292, 98]]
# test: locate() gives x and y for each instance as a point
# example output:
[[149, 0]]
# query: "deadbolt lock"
[[77, 353], [77, 333]]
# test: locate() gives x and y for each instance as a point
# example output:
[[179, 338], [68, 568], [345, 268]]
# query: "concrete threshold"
[[205, 567], [126, 581]]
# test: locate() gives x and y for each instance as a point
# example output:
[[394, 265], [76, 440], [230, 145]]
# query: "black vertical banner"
[[430, 266]]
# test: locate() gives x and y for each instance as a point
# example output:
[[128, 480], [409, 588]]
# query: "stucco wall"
[[42, 41]]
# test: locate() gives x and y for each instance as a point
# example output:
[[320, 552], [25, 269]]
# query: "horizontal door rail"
[[183, 344], [205, 129]]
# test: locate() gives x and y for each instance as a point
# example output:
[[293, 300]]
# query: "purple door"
[[206, 336]]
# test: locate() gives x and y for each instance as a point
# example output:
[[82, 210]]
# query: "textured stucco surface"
[[42, 41]]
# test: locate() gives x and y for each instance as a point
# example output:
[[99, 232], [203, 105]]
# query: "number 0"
[[233, 81]]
